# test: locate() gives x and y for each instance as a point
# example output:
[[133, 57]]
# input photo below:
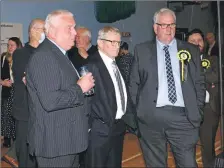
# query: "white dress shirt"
[[108, 62]]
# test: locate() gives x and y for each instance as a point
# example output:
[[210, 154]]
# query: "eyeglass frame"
[[172, 25], [113, 43]]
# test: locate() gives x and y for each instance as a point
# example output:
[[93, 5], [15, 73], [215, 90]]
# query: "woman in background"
[[124, 61], [7, 121]]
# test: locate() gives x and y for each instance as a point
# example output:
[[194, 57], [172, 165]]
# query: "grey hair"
[[162, 11], [86, 32], [54, 15], [105, 30]]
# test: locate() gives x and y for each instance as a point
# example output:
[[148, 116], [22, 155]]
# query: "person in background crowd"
[[210, 123], [20, 106], [124, 61], [7, 121], [82, 49], [212, 48]]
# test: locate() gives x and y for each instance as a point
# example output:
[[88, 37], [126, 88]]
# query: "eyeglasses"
[[164, 26], [113, 43]]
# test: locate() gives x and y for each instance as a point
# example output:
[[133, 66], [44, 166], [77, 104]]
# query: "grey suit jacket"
[[58, 123], [144, 82], [211, 78]]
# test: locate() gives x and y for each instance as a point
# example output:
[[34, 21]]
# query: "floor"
[[132, 156]]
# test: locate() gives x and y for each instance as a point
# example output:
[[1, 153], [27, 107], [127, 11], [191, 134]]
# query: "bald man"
[[212, 48], [20, 105], [82, 49]]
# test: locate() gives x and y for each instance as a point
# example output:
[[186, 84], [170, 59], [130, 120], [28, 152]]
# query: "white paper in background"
[[10, 30], [207, 97]]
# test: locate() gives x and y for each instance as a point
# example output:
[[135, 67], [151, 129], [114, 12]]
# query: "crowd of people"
[[164, 93]]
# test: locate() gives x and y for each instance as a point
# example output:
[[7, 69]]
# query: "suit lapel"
[[106, 80], [154, 64], [61, 56], [180, 47]]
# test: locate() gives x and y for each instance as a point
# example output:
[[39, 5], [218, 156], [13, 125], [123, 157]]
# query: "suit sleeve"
[[212, 77], [134, 77], [43, 75], [199, 80], [18, 73]]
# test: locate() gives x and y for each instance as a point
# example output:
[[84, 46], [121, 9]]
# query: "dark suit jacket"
[[20, 104], [5, 74], [211, 78], [144, 82], [77, 60], [214, 51], [104, 105], [58, 123]]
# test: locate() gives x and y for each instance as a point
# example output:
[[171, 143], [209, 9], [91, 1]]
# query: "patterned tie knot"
[[165, 48]]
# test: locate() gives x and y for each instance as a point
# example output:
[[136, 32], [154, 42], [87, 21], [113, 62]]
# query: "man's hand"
[[83, 52], [6, 82], [86, 82]]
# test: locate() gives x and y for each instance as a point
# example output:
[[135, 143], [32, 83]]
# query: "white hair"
[[163, 11], [86, 32], [105, 30], [53, 16]]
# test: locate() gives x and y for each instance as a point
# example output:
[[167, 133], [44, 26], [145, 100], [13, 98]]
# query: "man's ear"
[[155, 26]]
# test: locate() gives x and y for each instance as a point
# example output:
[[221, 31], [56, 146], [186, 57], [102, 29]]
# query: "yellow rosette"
[[205, 63], [184, 56]]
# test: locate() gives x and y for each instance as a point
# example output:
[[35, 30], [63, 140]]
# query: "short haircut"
[[194, 31], [124, 46], [163, 11], [105, 30]]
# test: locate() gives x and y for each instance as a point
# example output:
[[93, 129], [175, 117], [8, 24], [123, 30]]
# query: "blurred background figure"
[[210, 124], [78, 55], [212, 48], [7, 121], [124, 61]]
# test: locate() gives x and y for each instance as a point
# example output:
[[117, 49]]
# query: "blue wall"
[[139, 24]]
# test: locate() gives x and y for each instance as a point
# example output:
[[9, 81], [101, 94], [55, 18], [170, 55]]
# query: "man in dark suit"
[[110, 108], [212, 48], [58, 122], [211, 111], [20, 105], [82, 49], [169, 96]]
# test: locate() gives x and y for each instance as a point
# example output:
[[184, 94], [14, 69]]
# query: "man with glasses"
[[167, 86], [110, 106]]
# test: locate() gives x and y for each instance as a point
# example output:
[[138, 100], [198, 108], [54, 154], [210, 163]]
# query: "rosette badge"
[[205, 63], [184, 56]]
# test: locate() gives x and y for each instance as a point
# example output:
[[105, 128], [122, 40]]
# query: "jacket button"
[[154, 101], [156, 88]]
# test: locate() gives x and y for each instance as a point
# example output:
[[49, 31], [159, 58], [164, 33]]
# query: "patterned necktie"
[[170, 79], [120, 86]]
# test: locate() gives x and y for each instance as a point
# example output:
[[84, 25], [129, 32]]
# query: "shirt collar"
[[161, 45], [62, 50], [106, 58]]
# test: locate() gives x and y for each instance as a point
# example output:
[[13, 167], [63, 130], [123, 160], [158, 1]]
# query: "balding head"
[[210, 37], [36, 32], [36, 23], [83, 37]]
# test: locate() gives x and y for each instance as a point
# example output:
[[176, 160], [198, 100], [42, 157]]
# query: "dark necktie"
[[170, 79], [120, 86]]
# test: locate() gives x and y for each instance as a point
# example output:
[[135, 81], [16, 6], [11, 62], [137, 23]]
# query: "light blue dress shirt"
[[162, 99]]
